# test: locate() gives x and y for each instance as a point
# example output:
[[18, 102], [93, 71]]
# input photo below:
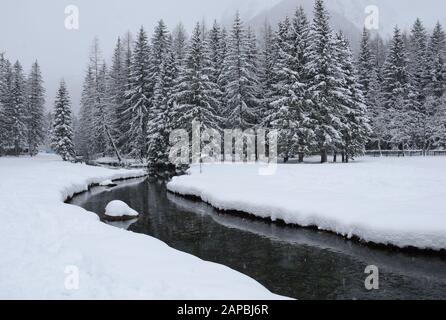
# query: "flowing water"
[[295, 262]]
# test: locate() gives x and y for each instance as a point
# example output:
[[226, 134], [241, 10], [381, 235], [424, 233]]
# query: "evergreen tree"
[[3, 102], [398, 93], [195, 98], [138, 97], [366, 65], [35, 102], [324, 83], [215, 58], [355, 129], [436, 64], [62, 140], [123, 118], [160, 123], [85, 144], [241, 83], [179, 44], [266, 71], [15, 111]]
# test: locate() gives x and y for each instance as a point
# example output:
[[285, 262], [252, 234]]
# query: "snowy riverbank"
[[397, 201], [44, 242]]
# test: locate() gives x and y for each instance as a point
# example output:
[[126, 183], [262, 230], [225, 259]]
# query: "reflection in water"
[[298, 263]]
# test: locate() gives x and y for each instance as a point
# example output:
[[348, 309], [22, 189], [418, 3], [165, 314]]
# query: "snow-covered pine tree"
[[138, 97], [179, 44], [195, 95], [215, 60], [102, 114], [117, 85], [241, 84], [288, 91], [324, 83], [122, 126], [35, 103], [85, 144], [15, 110], [62, 139], [355, 124], [420, 74], [437, 65], [398, 97], [266, 71], [160, 42], [160, 123], [3, 102], [418, 64], [366, 64]]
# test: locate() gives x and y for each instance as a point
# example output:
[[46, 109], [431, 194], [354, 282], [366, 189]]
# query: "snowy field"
[[45, 242], [397, 201]]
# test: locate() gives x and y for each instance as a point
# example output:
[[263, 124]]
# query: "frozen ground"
[[398, 201], [44, 243]]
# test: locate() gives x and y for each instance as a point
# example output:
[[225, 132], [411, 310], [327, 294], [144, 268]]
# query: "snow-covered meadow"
[[53, 250], [397, 201]]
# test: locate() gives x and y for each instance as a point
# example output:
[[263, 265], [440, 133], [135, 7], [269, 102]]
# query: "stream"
[[290, 261]]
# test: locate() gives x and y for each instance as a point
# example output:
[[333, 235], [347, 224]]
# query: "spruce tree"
[[16, 110], [324, 83], [160, 123], [62, 139], [436, 64], [241, 83], [398, 96], [195, 95], [35, 103], [138, 97], [355, 124]]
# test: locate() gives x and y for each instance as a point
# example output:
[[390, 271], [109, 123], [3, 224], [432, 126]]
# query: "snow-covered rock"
[[119, 211], [53, 250], [396, 201]]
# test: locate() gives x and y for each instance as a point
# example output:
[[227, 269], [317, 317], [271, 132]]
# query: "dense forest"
[[299, 78]]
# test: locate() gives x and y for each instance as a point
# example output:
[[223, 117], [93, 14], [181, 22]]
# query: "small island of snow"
[[119, 211]]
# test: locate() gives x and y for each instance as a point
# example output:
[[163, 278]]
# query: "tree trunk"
[[285, 159], [343, 156], [335, 157], [324, 156], [301, 157], [113, 144]]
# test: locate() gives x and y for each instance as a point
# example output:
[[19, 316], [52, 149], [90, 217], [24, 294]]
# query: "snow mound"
[[119, 208], [392, 201]]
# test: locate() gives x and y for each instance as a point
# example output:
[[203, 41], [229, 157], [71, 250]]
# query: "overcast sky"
[[31, 29]]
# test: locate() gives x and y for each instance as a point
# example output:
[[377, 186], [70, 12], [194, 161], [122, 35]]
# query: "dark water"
[[294, 262]]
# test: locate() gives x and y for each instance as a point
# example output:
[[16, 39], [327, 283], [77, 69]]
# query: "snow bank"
[[388, 201], [119, 208], [47, 245]]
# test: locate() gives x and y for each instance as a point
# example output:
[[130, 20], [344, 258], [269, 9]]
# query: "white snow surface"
[[117, 208], [396, 201], [42, 240], [106, 183]]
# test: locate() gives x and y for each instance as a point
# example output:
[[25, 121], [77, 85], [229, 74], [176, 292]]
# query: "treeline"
[[301, 81], [404, 85], [299, 78], [23, 122]]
